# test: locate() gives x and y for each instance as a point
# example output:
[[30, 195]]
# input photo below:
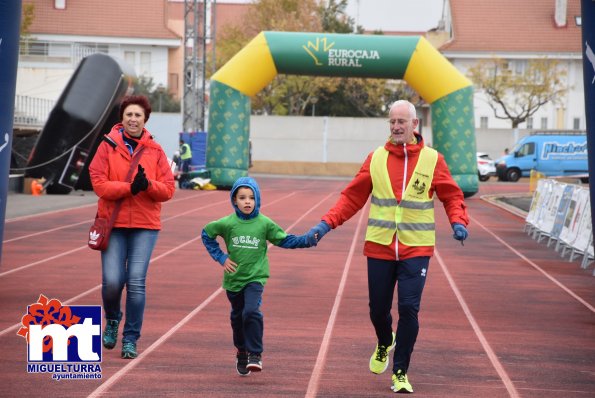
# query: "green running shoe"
[[110, 334], [401, 383], [129, 350], [379, 359]]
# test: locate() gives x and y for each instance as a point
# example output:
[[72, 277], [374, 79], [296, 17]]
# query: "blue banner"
[[10, 18], [588, 28]]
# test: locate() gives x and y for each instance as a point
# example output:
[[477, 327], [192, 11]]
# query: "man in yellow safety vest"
[[185, 156], [403, 176]]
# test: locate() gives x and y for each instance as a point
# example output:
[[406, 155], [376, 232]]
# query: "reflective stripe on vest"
[[413, 218], [185, 153]]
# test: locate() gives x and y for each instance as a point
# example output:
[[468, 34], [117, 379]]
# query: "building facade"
[[519, 31]]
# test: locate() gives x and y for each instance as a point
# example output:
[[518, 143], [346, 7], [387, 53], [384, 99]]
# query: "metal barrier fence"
[[561, 213], [31, 112]]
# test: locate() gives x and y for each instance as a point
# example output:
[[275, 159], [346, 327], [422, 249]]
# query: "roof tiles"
[[512, 26]]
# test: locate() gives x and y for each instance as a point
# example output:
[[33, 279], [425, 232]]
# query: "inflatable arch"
[[411, 58]]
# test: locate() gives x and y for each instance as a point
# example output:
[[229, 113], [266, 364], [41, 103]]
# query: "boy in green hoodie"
[[246, 266]]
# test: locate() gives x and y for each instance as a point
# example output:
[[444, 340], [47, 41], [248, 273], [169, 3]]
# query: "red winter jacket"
[[356, 194], [108, 171]]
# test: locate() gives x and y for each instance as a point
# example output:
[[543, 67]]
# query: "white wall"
[[319, 139]]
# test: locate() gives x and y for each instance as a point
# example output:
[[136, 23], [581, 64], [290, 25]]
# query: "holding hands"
[[140, 182], [317, 232]]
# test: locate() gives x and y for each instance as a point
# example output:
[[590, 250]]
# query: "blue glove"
[[460, 232], [311, 239], [321, 229]]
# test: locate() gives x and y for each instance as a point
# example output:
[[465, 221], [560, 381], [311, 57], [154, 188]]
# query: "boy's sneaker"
[[110, 334], [401, 383], [129, 350], [242, 363], [379, 359], [254, 362]]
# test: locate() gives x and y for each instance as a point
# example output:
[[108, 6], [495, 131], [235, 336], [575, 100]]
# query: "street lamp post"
[[314, 100], [160, 91]]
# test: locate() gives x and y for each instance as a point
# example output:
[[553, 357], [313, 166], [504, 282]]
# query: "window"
[[483, 122], [60, 4], [529, 122], [130, 58], [519, 66], [527, 149], [576, 123], [544, 123], [145, 63]]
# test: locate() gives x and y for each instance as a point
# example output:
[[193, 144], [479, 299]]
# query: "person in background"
[[126, 260], [185, 156], [246, 266], [403, 177]]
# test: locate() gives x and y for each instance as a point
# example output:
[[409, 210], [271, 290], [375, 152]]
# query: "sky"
[[396, 15], [391, 15]]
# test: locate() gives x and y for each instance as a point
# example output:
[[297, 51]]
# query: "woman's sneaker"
[[110, 334], [254, 362], [129, 350], [242, 363]]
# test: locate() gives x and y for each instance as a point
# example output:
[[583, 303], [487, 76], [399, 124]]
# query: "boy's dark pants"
[[246, 318]]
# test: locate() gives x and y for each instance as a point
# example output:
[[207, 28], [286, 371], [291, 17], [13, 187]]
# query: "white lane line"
[[85, 246], [132, 364], [83, 294], [537, 267], [512, 392], [15, 219], [23, 267], [48, 231], [324, 346], [71, 225]]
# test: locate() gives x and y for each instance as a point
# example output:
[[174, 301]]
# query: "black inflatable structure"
[[86, 109]]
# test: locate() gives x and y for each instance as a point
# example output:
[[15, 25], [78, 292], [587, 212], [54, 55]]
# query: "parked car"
[[486, 167]]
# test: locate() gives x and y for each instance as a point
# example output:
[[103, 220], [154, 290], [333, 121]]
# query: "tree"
[[293, 95], [159, 97], [517, 96], [28, 14]]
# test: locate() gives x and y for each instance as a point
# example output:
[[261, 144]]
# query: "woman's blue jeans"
[[125, 263]]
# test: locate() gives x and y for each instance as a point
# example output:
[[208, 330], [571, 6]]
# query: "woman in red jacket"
[[126, 260], [403, 177]]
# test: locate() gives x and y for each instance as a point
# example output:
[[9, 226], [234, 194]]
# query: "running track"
[[502, 316]]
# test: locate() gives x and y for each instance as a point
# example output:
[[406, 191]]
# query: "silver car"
[[486, 167]]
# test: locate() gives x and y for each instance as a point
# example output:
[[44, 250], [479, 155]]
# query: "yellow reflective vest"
[[413, 218], [185, 152]]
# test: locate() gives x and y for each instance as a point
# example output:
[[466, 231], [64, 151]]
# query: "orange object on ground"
[[36, 188]]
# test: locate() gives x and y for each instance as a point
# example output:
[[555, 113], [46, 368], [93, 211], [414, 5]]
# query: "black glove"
[[140, 182]]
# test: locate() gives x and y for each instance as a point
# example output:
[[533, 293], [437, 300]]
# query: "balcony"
[[30, 114], [62, 53]]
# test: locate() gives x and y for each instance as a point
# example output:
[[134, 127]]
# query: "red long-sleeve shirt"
[[356, 194]]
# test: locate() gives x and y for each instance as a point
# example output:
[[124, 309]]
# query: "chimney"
[[560, 13]]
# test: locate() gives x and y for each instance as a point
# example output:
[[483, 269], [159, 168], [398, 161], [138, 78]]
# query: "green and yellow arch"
[[411, 58]]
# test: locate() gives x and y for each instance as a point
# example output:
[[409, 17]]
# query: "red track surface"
[[502, 316]]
